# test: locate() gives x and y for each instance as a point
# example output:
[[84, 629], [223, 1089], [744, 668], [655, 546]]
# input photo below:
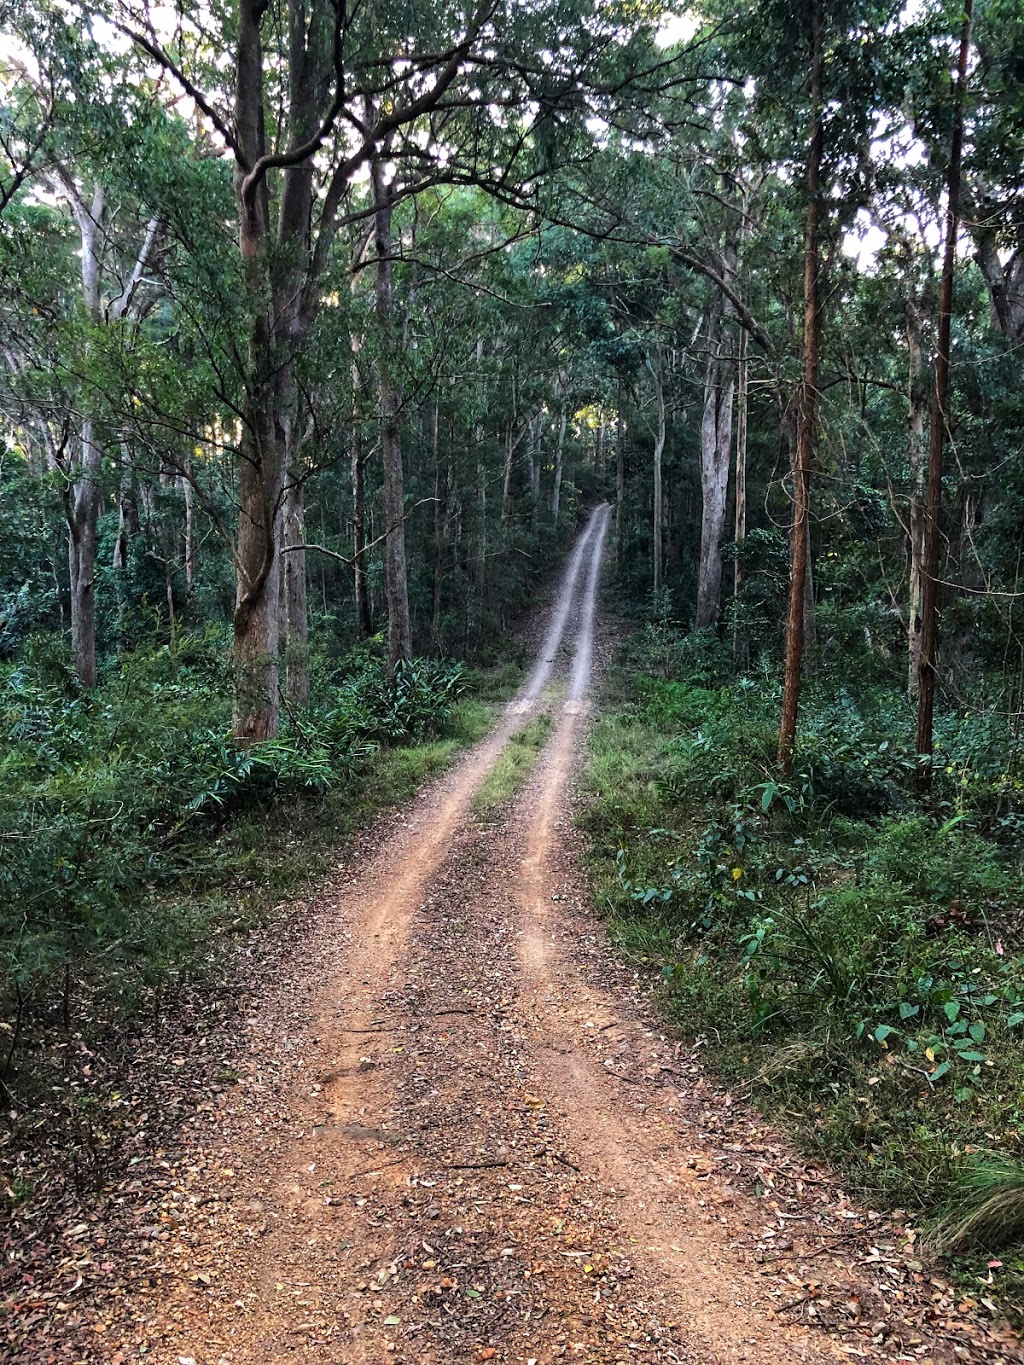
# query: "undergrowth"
[[134, 836], [854, 956]]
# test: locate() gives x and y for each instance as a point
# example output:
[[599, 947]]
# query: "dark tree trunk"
[[439, 515], [261, 466], [82, 509], [295, 614], [937, 436], [364, 624], [803, 454], [390, 402], [915, 457]]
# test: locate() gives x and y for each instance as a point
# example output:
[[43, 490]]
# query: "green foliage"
[[858, 959], [109, 803]]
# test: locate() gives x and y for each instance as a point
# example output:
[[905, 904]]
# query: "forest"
[[325, 327]]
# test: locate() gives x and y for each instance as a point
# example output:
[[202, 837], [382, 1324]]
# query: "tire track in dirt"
[[459, 1174], [270, 1255], [630, 1130], [636, 1154]]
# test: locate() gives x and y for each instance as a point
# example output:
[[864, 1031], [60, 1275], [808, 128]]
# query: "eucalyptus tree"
[[318, 92]]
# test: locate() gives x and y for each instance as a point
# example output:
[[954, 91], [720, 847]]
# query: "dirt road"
[[457, 1134]]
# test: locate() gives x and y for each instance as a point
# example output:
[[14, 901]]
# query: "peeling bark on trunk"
[[536, 436], [506, 483], [256, 711], [481, 559]]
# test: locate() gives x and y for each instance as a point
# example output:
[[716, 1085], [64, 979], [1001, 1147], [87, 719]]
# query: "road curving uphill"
[[458, 1135]]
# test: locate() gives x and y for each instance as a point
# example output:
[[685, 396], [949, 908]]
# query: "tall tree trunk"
[[506, 483], [256, 709], [620, 484], [390, 400], [191, 543], [481, 558], [658, 519], [740, 496], [803, 454], [82, 502], [536, 436], [933, 507], [364, 624], [295, 614], [556, 492], [82, 509], [916, 459], [715, 448], [127, 519], [440, 501]]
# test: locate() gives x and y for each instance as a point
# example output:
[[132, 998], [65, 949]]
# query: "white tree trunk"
[[715, 449]]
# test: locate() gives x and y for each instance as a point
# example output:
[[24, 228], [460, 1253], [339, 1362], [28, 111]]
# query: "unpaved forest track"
[[460, 1135]]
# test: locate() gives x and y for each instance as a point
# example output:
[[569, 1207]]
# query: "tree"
[[927, 667], [803, 454]]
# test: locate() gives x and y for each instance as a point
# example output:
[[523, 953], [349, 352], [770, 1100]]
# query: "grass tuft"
[[987, 1211], [513, 768]]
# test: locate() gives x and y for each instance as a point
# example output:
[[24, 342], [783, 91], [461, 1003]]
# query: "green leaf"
[[907, 1010], [392, 1321], [1017, 1017], [939, 1072], [973, 1056], [977, 1032], [882, 1032], [952, 1010]]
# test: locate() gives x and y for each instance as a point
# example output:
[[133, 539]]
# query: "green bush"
[[853, 954], [109, 799]]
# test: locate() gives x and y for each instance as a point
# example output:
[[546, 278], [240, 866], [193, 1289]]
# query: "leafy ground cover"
[[135, 836], [854, 956]]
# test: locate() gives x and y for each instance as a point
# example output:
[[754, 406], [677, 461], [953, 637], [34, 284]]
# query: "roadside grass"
[[513, 767], [855, 961]]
